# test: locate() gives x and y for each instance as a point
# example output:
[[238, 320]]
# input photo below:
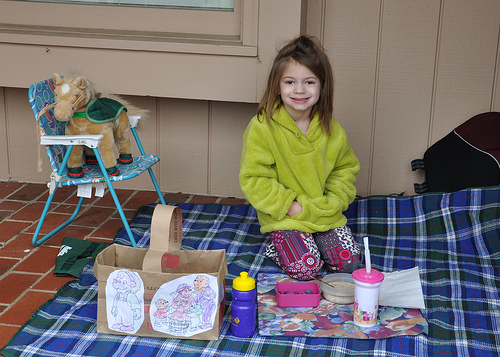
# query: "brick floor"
[[27, 277]]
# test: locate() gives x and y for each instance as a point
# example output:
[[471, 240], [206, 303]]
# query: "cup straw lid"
[[373, 277]]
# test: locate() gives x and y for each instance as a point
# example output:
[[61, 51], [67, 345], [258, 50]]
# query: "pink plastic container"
[[297, 294]]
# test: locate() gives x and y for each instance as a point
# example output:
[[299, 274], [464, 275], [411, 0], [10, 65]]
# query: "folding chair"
[[59, 146]]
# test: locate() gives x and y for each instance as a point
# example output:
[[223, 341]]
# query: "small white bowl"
[[340, 288]]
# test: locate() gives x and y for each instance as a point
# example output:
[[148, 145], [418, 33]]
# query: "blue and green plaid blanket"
[[453, 238]]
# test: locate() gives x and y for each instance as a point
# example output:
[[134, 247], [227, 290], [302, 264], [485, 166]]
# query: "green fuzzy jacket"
[[279, 164]]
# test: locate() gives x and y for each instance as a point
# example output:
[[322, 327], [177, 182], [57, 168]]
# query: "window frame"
[[119, 27]]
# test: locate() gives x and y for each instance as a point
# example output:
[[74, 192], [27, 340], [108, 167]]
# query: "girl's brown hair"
[[307, 51]]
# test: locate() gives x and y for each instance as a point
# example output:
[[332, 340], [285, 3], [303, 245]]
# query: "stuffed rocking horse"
[[76, 102]]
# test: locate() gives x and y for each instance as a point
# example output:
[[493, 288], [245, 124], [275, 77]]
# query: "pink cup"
[[366, 294]]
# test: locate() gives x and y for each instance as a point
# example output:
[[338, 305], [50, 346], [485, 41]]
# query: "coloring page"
[[185, 306], [125, 301]]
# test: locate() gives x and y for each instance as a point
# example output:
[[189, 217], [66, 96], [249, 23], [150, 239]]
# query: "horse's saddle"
[[102, 110]]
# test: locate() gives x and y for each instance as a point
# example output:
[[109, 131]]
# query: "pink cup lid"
[[374, 276]]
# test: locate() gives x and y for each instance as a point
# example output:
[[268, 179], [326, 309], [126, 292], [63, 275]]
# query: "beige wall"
[[407, 72]]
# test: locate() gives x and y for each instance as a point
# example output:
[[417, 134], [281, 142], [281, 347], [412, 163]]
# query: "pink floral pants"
[[302, 255]]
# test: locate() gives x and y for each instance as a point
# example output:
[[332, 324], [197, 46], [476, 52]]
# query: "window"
[[103, 24], [192, 4]]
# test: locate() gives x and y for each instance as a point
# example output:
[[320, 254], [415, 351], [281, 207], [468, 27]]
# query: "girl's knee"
[[339, 249], [304, 269], [296, 253]]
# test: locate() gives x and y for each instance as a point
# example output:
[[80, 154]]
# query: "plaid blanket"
[[453, 238]]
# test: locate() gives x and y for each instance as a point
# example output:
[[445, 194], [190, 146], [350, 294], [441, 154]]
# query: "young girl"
[[297, 168]]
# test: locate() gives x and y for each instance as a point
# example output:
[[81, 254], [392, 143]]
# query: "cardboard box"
[[162, 291]]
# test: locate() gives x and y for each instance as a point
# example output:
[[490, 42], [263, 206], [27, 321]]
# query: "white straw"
[[368, 260]]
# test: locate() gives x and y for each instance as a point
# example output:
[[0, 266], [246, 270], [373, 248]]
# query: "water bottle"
[[244, 306]]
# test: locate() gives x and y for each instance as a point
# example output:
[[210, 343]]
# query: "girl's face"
[[299, 90]]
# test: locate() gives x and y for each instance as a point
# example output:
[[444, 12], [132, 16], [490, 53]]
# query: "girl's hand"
[[295, 208]]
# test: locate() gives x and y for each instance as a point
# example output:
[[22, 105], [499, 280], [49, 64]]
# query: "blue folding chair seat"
[[59, 146]]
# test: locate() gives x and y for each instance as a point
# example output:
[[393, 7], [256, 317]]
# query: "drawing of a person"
[[181, 305], [161, 312], [205, 296], [126, 306]]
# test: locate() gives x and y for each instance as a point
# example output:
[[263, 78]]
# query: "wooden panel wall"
[[466, 63], [407, 72]]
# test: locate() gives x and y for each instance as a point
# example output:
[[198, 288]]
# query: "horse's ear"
[[57, 79], [80, 82]]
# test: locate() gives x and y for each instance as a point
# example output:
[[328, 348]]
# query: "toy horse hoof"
[[125, 159], [112, 171], [91, 159], [75, 172]]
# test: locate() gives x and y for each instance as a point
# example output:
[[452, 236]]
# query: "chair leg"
[[36, 242], [120, 211], [115, 198], [157, 187], [151, 174]]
